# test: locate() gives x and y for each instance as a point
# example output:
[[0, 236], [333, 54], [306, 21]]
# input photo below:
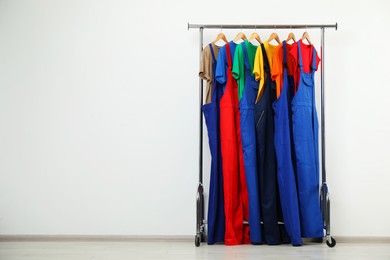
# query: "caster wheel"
[[197, 241], [331, 244]]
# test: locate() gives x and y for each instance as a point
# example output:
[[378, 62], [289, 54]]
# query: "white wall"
[[99, 117]]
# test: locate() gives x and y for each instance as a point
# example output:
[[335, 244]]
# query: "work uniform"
[[266, 159], [216, 214], [305, 131], [235, 190], [284, 147], [248, 134]]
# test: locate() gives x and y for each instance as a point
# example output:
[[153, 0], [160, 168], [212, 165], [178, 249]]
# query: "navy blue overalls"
[[305, 130], [248, 135], [216, 214], [266, 161], [284, 150]]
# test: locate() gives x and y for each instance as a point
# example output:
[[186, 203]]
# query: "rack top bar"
[[261, 26]]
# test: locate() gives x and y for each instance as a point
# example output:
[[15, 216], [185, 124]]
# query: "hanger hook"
[[274, 27], [306, 27], [241, 28], [290, 28], [221, 28], [255, 28]]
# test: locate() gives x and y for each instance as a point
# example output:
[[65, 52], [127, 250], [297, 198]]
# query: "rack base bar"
[[247, 223]]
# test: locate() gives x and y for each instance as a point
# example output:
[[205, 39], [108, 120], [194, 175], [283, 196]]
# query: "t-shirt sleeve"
[[318, 61], [205, 70], [237, 62], [220, 71], [277, 64], [294, 55], [258, 71], [277, 70], [258, 64]]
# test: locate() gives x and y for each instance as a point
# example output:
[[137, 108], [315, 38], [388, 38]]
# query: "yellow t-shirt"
[[258, 68], [258, 71], [270, 50]]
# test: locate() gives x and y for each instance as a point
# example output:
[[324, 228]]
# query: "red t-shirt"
[[307, 54]]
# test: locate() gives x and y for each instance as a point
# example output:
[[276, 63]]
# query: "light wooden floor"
[[184, 250]]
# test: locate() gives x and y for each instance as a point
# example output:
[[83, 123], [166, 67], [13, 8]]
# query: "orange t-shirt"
[[278, 69]]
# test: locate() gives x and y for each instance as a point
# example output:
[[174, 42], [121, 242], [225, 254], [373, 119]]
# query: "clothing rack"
[[324, 195]]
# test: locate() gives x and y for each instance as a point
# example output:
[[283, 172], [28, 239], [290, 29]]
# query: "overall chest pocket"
[[302, 123]]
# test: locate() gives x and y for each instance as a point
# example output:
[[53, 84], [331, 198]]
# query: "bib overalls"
[[216, 214], [284, 150], [248, 134], [305, 131], [235, 190], [266, 161]]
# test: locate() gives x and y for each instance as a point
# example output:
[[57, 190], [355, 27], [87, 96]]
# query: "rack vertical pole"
[[323, 105], [324, 197], [200, 196], [200, 110]]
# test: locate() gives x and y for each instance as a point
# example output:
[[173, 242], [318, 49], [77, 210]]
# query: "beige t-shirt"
[[206, 69]]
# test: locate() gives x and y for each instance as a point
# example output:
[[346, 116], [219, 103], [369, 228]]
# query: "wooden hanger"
[[274, 36], [306, 37], [255, 36], [239, 36], [220, 36], [291, 36]]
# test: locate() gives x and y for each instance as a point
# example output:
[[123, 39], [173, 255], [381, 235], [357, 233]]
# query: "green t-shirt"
[[239, 64]]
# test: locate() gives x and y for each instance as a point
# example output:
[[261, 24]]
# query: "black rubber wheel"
[[331, 244], [197, 241]]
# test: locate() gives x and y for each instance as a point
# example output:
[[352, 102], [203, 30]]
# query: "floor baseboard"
[[362, 239], [135, 238], [94, 238]]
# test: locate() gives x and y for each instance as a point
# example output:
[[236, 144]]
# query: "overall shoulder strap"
[[212, 52], [314, 60], [300, 65], [265, 59], [228, 56], [284, 54], [245, 53]]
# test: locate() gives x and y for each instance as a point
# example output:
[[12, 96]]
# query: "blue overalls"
[[266, 161], [248, 135], [284, 148], [305, 131], [216, 214]]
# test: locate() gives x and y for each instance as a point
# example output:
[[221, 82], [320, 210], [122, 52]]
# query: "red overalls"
[[234, 182]]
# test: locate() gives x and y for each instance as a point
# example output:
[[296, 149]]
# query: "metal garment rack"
[[324, 194]]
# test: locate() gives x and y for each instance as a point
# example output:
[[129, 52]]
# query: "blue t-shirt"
[[222, 63]]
